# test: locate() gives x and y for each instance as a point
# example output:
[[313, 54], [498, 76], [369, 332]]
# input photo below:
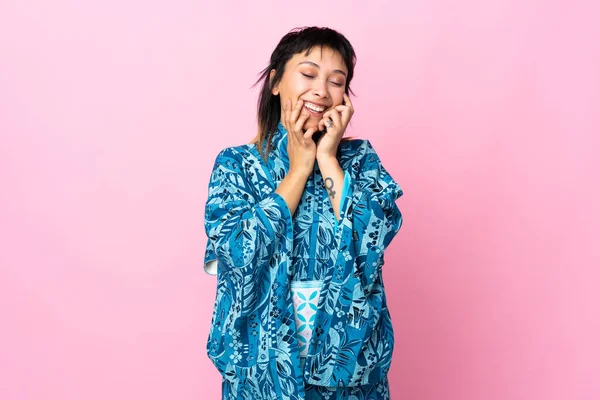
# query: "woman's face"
[[319, 79]]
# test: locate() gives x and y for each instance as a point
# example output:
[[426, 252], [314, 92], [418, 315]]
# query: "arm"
[[381, 217], [375, 213], [291, 189], [245, 230], [333, 179], [375, 220]]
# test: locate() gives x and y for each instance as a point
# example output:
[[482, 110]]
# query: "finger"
[[286, 111], [301, 121], [321, 124], [308, 134], [348, 101], [346, 113], [328, 118], [296, 111], [337, 119]]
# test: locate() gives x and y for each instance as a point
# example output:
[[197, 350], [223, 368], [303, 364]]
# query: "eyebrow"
[[318, 67]]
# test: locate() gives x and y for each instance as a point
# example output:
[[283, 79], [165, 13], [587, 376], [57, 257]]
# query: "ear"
[[274, 90]]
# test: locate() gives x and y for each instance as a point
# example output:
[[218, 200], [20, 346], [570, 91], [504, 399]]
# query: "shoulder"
[[350, 146], [234, 156], [353, 152]]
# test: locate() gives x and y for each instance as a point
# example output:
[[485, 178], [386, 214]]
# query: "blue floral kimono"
[[258, 249]]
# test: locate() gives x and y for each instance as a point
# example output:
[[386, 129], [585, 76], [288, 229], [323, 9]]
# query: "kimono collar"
[[279, 141]]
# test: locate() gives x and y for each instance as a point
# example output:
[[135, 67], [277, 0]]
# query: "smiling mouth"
[[314, 109]]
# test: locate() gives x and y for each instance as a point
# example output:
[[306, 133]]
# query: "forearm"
[[333, 179], [235, 219], [291, 189]]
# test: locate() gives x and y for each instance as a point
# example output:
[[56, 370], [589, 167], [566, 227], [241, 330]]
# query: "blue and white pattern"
[[258, 249], [305, 297]]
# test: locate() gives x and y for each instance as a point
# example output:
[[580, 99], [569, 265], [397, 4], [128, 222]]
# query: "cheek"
[[293, 92], [339, 97], [298, 88]]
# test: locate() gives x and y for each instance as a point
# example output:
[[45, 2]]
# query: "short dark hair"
[[294, 42]]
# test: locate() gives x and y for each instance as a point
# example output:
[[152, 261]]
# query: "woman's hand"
[[301, 147], [329, 142]]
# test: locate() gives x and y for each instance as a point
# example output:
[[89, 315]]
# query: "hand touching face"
[[318, 79], [334, 121]]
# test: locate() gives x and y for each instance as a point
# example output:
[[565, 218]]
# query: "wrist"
[[299, 174], [327, 159]]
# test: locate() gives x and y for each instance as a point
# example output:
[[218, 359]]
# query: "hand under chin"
[[310, 124]]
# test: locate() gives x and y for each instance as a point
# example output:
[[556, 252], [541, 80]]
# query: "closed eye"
[[312, 77]]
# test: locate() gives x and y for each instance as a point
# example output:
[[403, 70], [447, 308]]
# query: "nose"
[[320, 88]]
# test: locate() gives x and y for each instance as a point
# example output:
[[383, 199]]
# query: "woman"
[[297, 224]]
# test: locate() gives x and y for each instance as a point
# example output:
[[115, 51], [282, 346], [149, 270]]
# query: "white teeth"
[[314, 107]]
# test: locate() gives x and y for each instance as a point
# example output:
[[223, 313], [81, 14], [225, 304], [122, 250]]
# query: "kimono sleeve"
[[376, 215], [243, 229]]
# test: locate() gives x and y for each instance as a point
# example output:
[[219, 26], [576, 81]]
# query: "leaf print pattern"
[[259, 251], [377, 391]]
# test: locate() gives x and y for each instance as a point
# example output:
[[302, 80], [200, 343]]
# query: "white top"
[[305, 296]]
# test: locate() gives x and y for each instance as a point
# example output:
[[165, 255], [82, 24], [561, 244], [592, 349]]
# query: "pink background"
[[111, 115]]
